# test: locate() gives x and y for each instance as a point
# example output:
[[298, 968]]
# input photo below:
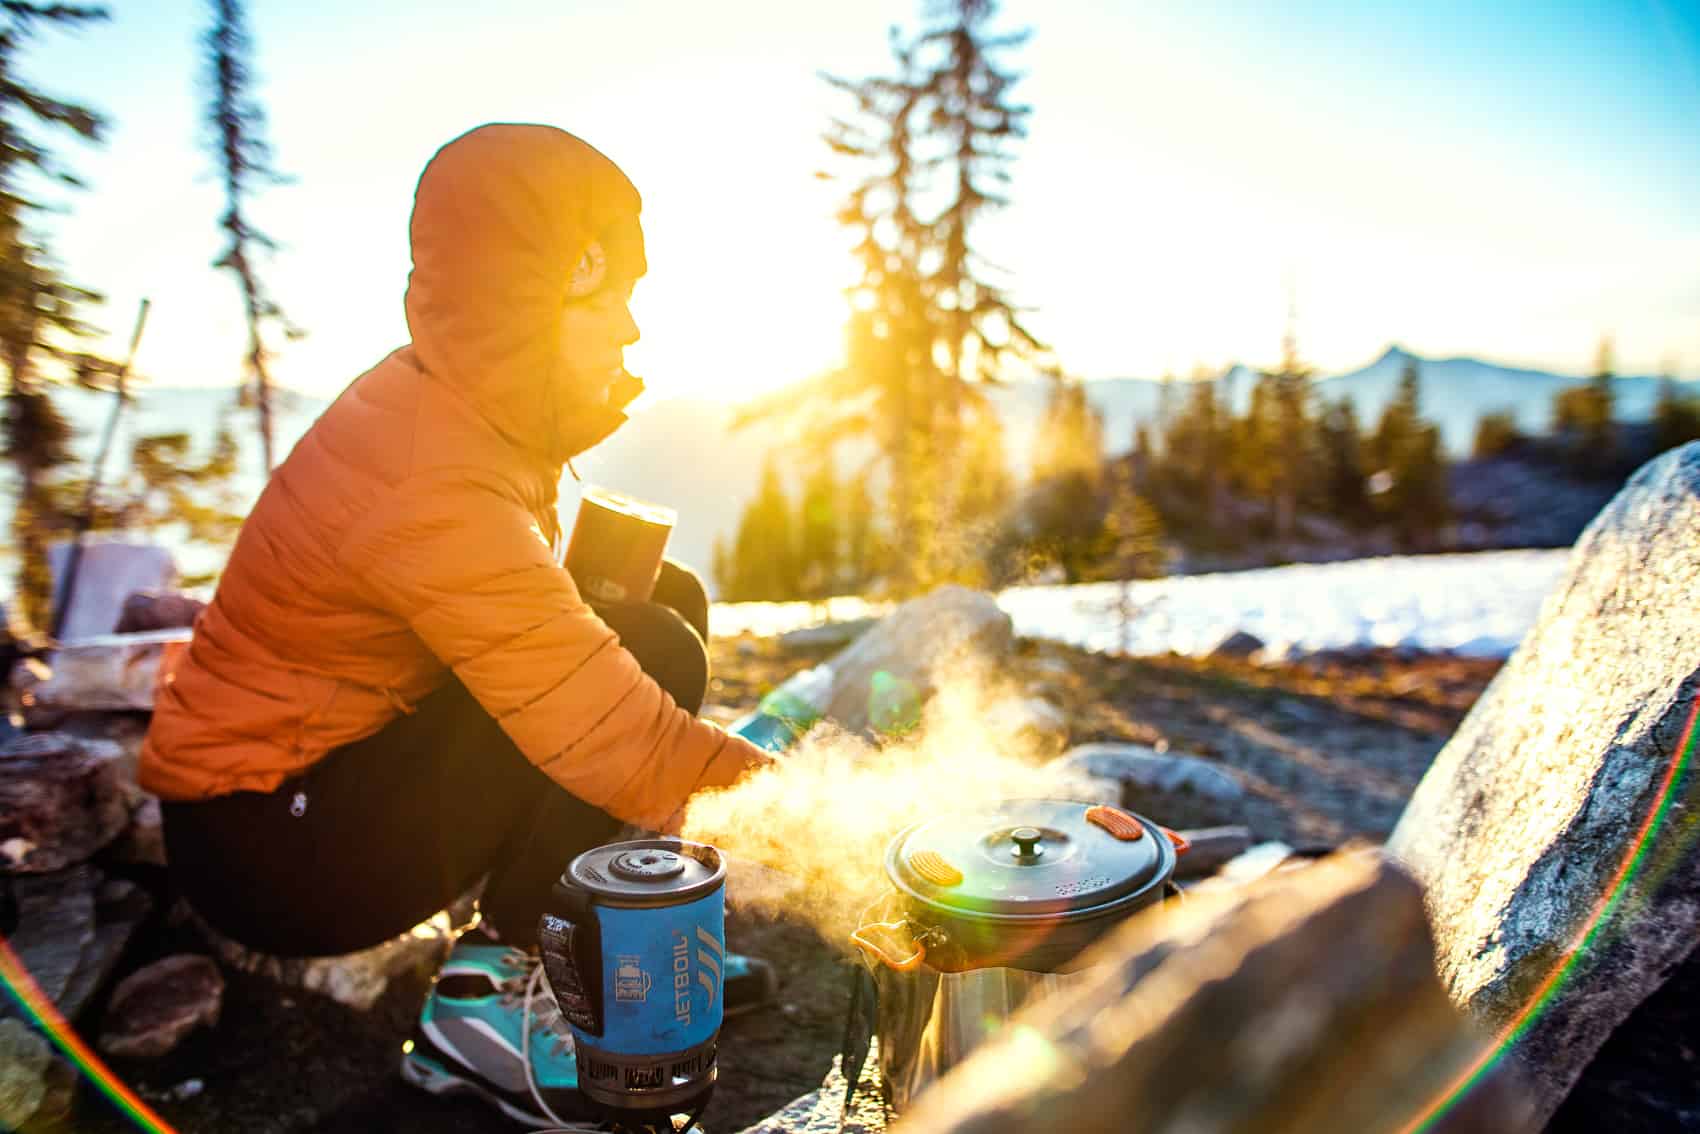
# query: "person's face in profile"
[[595, 332]]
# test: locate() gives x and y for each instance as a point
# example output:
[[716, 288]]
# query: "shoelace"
[[539, 1013]]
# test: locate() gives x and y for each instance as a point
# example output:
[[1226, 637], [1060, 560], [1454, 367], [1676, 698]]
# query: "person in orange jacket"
[[397, 689]]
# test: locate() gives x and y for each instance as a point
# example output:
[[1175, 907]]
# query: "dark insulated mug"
[[634, 949], [617, 543]]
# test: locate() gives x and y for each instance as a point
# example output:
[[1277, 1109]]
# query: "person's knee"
[[667, 647], [679, 587]]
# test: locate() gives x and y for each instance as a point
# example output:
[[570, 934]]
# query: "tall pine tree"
[[237, 134], [41, 313], [923, 156]]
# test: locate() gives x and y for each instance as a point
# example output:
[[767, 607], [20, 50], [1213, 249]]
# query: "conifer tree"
[[41, 313], [1583, 418], [1133, 546], [237, 135], [1065, 512], [1343, 478], [1496, 434], [1676, 419], [761, 564], [819, 532], [987, 489], [1412, 466], [1196, 452], [923, 156], [1287, 442], [864, 552], [965, 98]]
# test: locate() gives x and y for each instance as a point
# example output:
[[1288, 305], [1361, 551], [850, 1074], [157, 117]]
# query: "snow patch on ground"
[[1479, 604]]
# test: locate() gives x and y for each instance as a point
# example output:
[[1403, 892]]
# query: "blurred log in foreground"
[[1306, 1002]]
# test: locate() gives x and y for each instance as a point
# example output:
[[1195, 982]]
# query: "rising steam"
[[817, 823]]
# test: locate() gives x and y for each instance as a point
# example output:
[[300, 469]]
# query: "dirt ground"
[[1330, 750]]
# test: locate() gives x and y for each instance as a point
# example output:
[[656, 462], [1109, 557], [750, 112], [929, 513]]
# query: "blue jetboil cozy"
[[634, 950]]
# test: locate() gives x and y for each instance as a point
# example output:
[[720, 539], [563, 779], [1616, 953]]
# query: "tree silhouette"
[[41, 313], [237, 137], [923, 155]]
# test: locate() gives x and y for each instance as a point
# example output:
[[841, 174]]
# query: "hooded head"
[[512, 223]]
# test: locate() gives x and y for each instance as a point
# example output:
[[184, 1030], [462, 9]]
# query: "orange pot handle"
[[885, 939], [1180, 841]]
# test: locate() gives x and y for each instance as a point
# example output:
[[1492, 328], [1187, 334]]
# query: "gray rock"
[[1564, 774], [1239, 644], [828, 635], [823, 1110], [1146, 774], [109, 572], [934, 638], [154, 1008], [111, 671], [1209, 848], [157, 610], [1305, 1002], [61, 799], [72, 928], [36, 1085]]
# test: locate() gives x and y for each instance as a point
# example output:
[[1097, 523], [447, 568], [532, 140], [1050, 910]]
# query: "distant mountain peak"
[[1396, 353]]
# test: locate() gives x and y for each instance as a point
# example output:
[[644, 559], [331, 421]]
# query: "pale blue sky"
[[1508, 180]]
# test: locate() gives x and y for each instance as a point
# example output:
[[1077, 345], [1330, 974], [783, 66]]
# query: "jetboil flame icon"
[[709, 954]]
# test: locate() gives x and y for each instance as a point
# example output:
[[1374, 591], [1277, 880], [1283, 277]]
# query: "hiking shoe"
[[750, 983], [490, 1027]]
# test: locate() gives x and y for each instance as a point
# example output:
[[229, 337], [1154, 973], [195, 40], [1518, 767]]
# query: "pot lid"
[[1029, 856], [648, 872]]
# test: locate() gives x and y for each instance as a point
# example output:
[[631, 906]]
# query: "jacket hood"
[[501, 216]]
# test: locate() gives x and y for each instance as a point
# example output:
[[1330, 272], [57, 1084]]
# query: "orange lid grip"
[[933, 867], [886, 940], [1117, 822], [1180, 841]]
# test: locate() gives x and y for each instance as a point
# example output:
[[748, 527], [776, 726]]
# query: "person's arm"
[[469, 571]]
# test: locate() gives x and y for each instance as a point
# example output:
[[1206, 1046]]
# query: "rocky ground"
[[1329, 749]]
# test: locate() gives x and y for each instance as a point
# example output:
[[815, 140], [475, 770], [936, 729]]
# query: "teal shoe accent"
[[491, 1026], [750, 983]]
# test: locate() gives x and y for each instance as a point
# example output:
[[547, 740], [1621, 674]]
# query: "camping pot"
[[633, 947], [989, 909]]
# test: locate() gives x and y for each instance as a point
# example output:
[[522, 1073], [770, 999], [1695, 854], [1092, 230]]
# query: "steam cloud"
[[807, 837]]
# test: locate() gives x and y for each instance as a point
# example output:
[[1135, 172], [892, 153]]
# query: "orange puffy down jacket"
[[410, 530]]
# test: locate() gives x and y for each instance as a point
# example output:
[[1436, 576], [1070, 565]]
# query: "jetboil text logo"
[[708, 956]]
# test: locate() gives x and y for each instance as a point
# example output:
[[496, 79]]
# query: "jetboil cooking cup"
[[990, 908], [633, 949], [615, 550]]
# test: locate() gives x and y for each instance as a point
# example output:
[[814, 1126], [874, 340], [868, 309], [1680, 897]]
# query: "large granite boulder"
[[923, 642], [1554, 834]]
